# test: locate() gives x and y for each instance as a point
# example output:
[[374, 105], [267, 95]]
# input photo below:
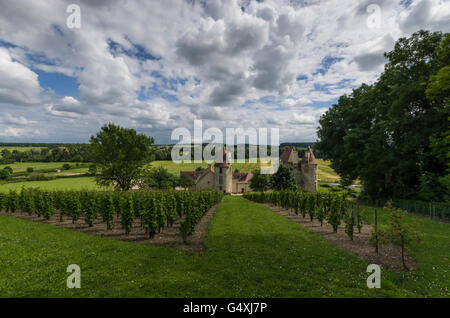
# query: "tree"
[[398, 232], [283, 179], [92, 169], [381, 133], [4, 174], [259, 182], [158, 178], [186, 182], [9, 169], [120, 153]]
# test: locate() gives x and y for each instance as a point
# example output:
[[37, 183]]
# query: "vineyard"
[[153, 211], [332, 208]]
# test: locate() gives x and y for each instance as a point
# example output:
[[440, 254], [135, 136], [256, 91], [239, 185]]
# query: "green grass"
[[432, 278], [174, 168], [37, 166], [251, 252], [56, 184]]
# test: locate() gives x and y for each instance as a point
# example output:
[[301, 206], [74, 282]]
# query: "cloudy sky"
[[158, 65]]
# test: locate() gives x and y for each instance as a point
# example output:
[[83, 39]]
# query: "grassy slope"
[[251, 251], [326, 173], [432, 278]]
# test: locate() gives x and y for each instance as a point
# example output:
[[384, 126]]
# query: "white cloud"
[[18, 84], [217, 60]]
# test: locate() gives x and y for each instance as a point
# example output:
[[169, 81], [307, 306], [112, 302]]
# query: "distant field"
[[326, 173], [174, 168], [22, 166], [87, 183]]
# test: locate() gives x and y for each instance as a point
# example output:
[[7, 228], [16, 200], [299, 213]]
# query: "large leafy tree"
[[283, 179], [120, 153], [159, 178], [382, 133], [259, 182]]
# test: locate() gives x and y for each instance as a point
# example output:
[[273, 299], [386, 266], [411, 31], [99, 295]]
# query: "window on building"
[[220, 170]]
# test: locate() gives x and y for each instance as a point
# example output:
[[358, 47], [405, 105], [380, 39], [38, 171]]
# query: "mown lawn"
[[251, 252]]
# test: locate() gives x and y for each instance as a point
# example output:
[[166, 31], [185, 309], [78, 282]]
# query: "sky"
[[159, 65]]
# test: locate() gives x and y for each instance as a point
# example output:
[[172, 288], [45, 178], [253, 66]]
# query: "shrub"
[[66, 166], [349, 224], [4, 174], [107, 209], [398, 232], [47, 208], [37, 176], [9, 169], [149, 217], [91, 209], [30, 169], [126, 213]]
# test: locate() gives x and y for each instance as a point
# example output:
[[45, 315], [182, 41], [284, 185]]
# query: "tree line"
[[394, 134]]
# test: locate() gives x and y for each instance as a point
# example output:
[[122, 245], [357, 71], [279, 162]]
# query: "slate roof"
[[312, 159], [242, 177], [284, 158]]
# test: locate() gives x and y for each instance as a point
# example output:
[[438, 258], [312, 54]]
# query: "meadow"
[[37, 166], [79, 183]]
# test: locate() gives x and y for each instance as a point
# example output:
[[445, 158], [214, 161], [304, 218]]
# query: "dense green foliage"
[[283, 179], [46, 153], [322, 206], [397, 231], [394, 135], [152, 210], [119, 153], [157, 178], [259, 182]]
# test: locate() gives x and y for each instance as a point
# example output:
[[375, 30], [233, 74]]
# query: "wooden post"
[[376, 229], [430, 210], [357, 219]]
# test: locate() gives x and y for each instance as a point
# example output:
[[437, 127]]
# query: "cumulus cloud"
[[157, 65], [18, 84]]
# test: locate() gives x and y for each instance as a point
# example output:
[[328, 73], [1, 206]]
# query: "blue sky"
[[159, 65]]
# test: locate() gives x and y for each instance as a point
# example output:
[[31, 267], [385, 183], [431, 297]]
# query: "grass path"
[[251, 252]]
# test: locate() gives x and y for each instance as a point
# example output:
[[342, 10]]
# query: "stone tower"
[[307, 171], [223, 174]]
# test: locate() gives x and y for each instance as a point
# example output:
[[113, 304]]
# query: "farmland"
[[37, 166], [325, 172], [80, 183]]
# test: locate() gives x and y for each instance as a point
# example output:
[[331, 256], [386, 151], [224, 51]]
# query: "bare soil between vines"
[[169, 236], [388, 257]]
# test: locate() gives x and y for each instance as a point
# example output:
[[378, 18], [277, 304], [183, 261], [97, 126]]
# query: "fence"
[[432, 210]]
